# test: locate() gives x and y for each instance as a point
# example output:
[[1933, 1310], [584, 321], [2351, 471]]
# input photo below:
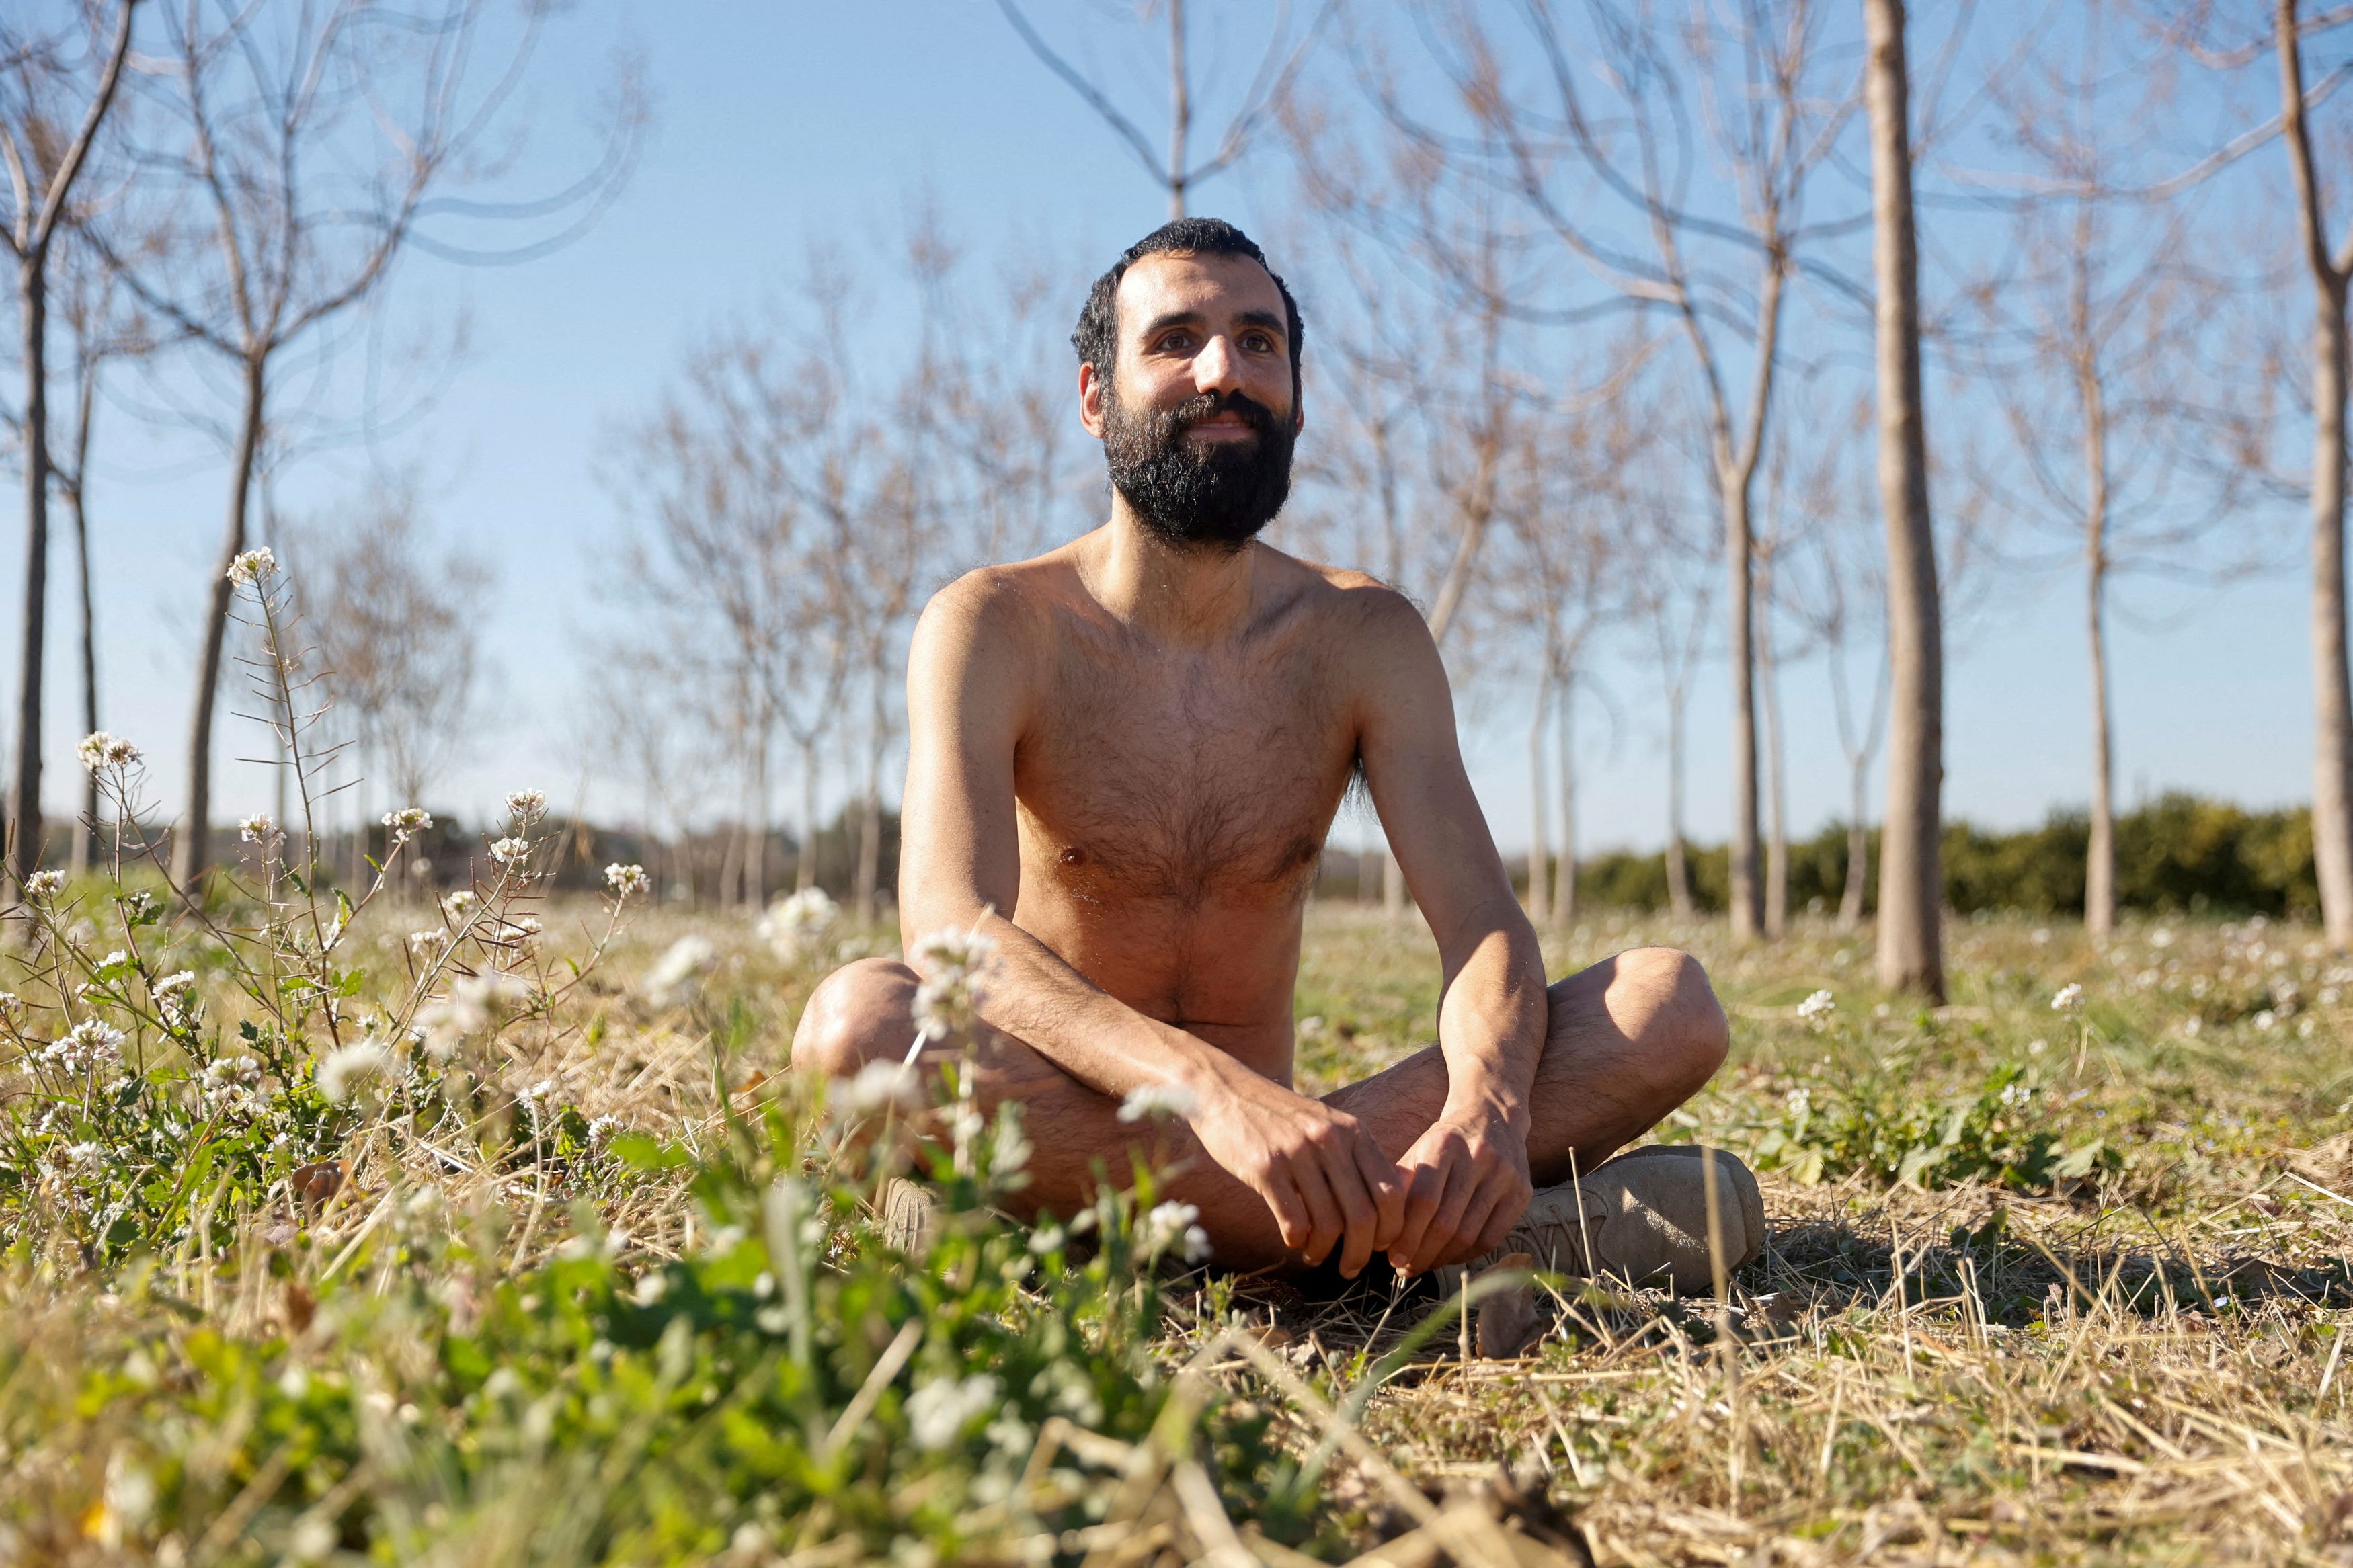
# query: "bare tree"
[[1586, 145], [104, 330], [1911, 877], [2330, 265], [1174, 168], [1832, 586], [52, 102], [395, 622], [305, 148], [1674, 597], [2094, 349]]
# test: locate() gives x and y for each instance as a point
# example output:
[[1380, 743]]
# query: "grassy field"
[[498, 1233]]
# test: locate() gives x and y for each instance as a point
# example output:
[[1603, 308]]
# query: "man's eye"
[[1177, 342], [1259, 342]]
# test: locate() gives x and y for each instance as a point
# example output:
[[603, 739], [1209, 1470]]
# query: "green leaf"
[[640, 1153]]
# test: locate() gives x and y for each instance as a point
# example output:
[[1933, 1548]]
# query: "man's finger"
[[1360, 1219], [1324, 1226], [1387, 1185], [1479, 1216], [1425, 1187], [1446, 1225], [1289, 1210]]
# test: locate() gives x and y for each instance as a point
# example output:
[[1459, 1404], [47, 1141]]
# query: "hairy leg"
[[1631, 1039]]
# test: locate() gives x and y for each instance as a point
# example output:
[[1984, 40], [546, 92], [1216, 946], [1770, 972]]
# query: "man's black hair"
[[1097, 335]]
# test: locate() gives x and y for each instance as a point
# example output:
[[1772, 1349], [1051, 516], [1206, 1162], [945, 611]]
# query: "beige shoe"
[[910, 1216], [1639, 1217]]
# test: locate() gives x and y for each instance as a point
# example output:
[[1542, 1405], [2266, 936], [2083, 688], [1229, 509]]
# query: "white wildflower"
[[42, 884], [601, 1131], [1158, 1102], [84, 1154], [407, 823], [257, 829], [473, 1004], [509, 851], [99, 751], [938, 1412], [345, 1069], [625, 880], [458, 905], [2016, 1094], [877, 1085], [1172, 1225], [1818, 1008], [12, 1006], [427, 941], [795, 926], [1798, 1101], [252, 567], [113, 957], [2036, 1047], [678, 974], [527, 805], [89, 1046], [2070, 999], [954, 965]]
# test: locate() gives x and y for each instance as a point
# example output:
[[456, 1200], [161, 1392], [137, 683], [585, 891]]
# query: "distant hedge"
[[2178, 853]]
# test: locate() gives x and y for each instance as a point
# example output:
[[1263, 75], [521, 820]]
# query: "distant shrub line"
[[2179, 853]]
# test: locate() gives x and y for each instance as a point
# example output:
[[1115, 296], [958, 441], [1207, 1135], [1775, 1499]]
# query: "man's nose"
[[1217, 368]]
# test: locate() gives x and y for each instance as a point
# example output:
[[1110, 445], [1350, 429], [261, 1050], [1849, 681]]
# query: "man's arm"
[[1467, 1175], [969, 677]]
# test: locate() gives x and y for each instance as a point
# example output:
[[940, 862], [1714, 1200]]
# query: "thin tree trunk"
[[1181, 109], [192, 853], [2332, 750], [2100, 868], [1746, 892], [24, 814], [1679, 894], [85, 842], [1911, 877], [2332, 688], [1858, 843], [1777, 816], [1564, 897], [870, 819], [805, 863], [759, 857], [1539, 852]]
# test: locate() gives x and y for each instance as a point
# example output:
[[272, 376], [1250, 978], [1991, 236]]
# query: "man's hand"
[[1319, 1171], [1466, 1185]]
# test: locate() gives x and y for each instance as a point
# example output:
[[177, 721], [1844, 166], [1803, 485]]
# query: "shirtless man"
[[1124, 758]]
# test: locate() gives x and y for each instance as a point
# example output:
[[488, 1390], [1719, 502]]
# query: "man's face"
[[1197, 430]]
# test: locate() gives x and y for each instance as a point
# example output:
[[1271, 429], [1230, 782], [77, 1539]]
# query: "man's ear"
[[1091, 391]]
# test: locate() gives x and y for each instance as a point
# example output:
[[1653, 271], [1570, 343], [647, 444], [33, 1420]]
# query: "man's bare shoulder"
[[1353, 607], [1009, 603]]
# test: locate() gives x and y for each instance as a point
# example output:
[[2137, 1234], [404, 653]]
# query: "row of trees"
[[1607, 267], [1591, 291], [220, 199]]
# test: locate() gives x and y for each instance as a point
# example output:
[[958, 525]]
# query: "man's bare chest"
[[1200, 782]]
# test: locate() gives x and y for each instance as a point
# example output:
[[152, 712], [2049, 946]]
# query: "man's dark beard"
[[1213, 494]]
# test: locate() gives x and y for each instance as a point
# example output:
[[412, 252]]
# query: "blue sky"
[[774, 124]]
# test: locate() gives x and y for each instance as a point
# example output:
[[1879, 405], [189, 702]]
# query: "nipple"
[[1074, 856]]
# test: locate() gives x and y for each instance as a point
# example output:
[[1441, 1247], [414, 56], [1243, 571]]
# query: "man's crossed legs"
[[1630, 1039]]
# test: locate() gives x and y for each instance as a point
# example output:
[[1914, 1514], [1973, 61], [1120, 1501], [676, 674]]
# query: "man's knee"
[[860, 1012], [1658, 997], [1688, 1033]]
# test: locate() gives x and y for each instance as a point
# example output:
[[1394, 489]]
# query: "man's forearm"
[[1491, 1025], [1039, 999]]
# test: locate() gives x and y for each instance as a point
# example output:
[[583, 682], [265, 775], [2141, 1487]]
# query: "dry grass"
[[2140, 1365]]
